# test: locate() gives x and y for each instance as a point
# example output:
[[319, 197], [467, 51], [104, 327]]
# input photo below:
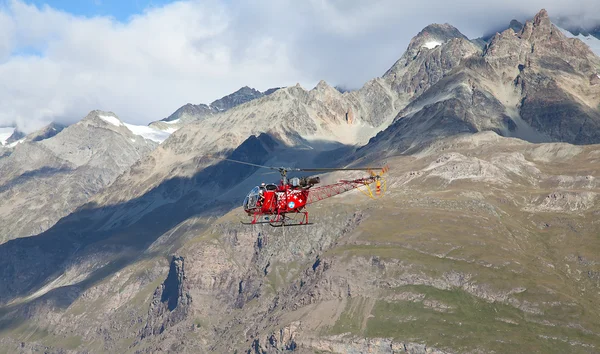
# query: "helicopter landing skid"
[[280, 220], [283, 220], [294, 224], [275, 224], [255, 223]]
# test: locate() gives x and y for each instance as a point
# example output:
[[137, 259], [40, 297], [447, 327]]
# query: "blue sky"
[[121, 10]]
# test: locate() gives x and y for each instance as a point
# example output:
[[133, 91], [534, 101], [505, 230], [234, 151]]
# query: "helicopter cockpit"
[[252, 198]]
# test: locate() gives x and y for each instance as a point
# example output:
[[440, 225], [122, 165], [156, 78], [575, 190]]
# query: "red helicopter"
[[278, 204]]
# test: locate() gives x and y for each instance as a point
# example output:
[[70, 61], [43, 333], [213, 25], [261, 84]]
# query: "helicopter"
[[281, 204]]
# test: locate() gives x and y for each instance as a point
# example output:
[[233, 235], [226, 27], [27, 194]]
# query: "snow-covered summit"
[[111, 121]]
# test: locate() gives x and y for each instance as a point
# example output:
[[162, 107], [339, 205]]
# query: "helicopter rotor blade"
[[283, 169], [336, 169], [248, 163]]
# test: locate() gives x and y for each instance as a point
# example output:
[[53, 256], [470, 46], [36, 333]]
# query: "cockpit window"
[[252, 198]]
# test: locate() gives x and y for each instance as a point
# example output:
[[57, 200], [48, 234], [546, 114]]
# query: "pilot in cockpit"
[[261, 196]]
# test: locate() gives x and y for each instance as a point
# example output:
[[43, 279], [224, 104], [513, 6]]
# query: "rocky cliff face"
[[171, 301]]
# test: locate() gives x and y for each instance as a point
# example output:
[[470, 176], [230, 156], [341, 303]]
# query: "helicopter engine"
[[304, 181]]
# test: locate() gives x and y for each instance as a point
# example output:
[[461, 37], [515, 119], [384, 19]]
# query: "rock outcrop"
[[46, 133], [171, 301]]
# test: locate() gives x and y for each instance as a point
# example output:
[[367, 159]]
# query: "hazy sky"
[[144, 59]]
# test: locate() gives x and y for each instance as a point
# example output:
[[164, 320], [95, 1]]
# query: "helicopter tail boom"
[[323, 192], [320, 193]]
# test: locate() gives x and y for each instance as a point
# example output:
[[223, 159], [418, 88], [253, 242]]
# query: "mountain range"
[[121, 238], [190, 112]]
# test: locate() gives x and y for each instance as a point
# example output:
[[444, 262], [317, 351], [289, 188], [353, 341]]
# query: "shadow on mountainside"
[[101, 240], [30, 175]]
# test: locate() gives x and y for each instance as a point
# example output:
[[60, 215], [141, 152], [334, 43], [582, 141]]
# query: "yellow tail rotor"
[[380, 184]]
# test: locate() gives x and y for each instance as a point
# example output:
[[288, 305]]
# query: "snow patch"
[[15, 143], [591, 41], [111, 120], [432, 44], [5, 133], [170, 130], [172, 121], [148, 132]]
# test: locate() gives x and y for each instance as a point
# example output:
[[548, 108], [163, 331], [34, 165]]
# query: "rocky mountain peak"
[[322, 85], [237, 98], [99, 118], [5, 135], [16, 136], [540, 28], [189, 110], [193, 113], [542, 18], [540, 43], [271, 90], [435, 51], [324, 88], [433, 36], [443, 31], [58, 169], [46, 132], [515, 25]]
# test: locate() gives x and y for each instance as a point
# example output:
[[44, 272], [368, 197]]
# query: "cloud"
[[6, 35], [142, 70], [58, 66]]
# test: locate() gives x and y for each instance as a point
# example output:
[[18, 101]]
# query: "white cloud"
[[6, 35], [142, 70], [197, 51]]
